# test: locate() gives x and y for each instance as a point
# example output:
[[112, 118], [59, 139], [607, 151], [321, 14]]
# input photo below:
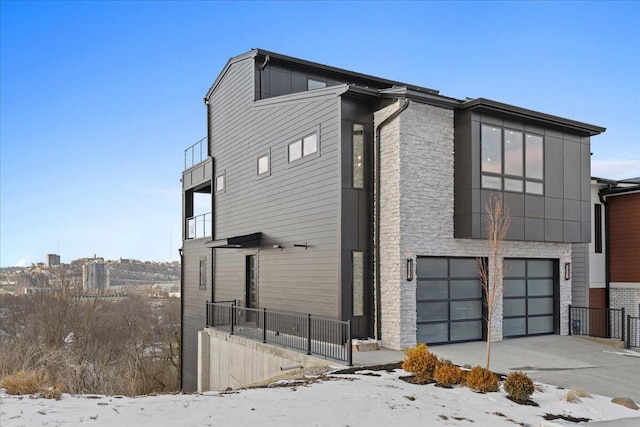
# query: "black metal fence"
[[312, 334], [633, 332], [597, 322]]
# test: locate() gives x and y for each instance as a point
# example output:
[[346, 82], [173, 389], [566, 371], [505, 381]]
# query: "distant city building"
[[95, 275], [53, 260]]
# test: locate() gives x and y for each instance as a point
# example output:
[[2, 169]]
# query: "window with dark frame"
[[597, 230], [358, 155], [512, 160], [203, 273], [357, 279]]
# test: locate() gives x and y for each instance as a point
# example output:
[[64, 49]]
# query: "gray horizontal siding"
[[193, 316], [297, 203]]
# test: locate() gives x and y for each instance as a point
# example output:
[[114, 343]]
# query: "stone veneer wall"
[[417, 217]]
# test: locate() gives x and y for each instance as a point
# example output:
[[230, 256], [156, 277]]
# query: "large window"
[[358, 155], [512, 160], [303, 147]]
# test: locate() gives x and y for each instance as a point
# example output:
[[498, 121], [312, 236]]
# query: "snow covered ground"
[[367, 398]]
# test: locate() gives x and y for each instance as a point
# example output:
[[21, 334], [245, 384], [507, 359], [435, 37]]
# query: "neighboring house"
[[612, 259], [325, 191]]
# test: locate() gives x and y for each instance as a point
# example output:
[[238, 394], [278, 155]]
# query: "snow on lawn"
[[374, 399]]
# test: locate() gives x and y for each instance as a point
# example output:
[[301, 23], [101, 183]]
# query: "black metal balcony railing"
[[597, 322], [195, 154], [311, 334], [199, 226]]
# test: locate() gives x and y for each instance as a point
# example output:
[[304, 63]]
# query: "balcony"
[[197, 153], [199, 226]]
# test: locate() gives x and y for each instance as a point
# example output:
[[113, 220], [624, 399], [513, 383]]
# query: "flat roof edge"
[[499, 107]]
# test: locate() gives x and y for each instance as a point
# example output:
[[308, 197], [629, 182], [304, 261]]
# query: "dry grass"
[[31, 382], [575, 395]]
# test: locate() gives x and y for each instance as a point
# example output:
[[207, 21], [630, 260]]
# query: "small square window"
[[263, 165], [220, 183], [310, 145], [295, 150]]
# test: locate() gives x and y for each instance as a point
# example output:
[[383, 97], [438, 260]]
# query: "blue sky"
[[98, 100]]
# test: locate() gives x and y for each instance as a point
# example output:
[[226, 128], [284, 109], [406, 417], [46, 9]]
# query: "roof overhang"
[[253, 240], [546, 120]]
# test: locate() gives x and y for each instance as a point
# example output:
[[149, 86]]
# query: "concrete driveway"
[[564, 361]]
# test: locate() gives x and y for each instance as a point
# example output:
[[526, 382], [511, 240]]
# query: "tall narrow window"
[[597, 231], [203, 274], [534, 156], [358, 156], [357, 274], [512, 152]]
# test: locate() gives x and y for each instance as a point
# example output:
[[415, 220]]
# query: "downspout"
[[376, 242], [607, 262]]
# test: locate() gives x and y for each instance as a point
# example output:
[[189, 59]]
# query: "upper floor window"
[[220, 183], [358, 155], [263, 165], [511, 160], [303, 147], [315, 84]]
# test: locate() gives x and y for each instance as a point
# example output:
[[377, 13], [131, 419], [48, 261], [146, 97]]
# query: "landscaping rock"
[[626, 402]]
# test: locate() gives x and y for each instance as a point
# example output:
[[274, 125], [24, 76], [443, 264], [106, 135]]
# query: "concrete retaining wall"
[[233, 361]]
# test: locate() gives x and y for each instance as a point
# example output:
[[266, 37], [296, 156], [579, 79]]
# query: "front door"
[[251, 281]]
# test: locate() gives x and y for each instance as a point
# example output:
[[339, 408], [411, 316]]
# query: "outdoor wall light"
[[277, 247], [409, 269], [567, 270]]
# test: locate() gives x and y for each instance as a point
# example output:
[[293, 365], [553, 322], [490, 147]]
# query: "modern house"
[[325, 191]]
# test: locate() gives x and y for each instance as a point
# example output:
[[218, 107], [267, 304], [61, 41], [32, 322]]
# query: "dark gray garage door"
[[449, 300], [530, 303]]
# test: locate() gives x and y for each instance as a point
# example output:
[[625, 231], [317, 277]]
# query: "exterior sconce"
[[277, 247], [567, 270], [409, 269]]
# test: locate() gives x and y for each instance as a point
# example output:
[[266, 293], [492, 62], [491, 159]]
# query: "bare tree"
[[491, 271]]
